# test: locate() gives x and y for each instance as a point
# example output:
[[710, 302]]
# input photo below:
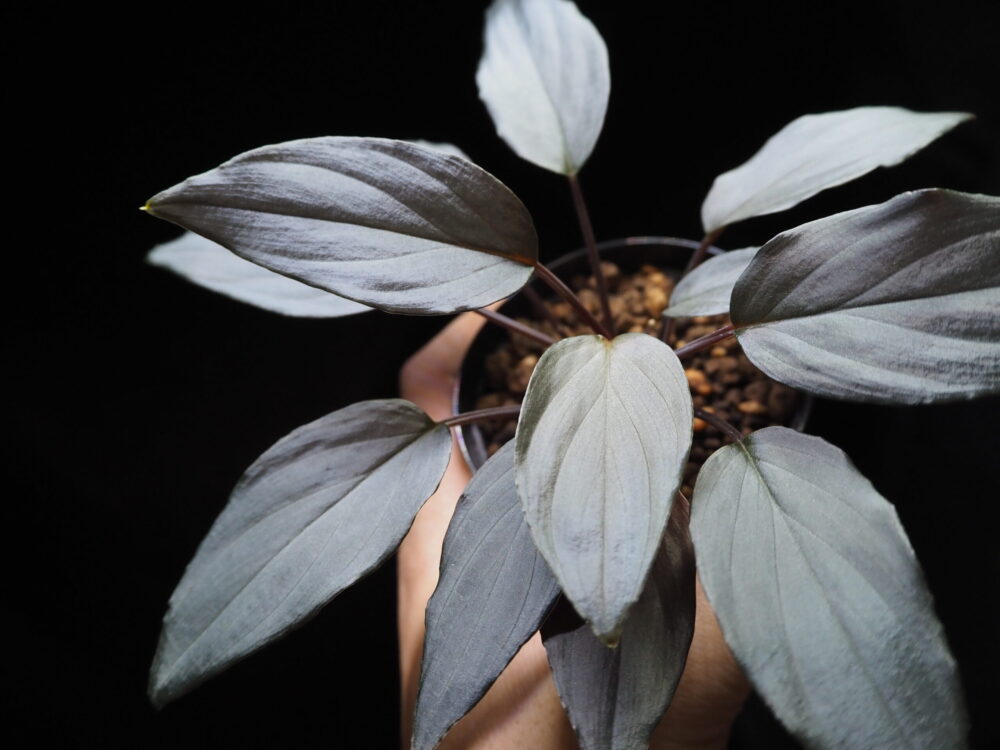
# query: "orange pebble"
[[752, 407]]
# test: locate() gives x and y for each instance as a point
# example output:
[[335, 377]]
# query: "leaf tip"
[[164, 686], [956, 119], [158, 694], [610, 632], [611, 641]]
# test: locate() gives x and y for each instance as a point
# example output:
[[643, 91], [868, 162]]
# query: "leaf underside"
[[816, 152], [545, 79], [615, 697], [602, 440], [401, 227], [821, 598], [322, 507], [493, 593], [706, 290], [894, 303], [212, 266]]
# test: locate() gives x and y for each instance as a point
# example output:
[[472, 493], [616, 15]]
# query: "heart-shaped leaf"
[[401, 227], [210, 265], [602, 440], [319, 509], [615, 697], [894, 303], [706, 289], [545, 80], [816, 152], [493, 593], [820, 597]]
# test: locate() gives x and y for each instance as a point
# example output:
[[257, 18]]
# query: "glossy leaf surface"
[[401, 227], [603, 436], [319, 509], [706, 290], [210, 265], [821, 598], [545, 80], [615, 697], [816, 152], [894, 303], [492, 595]]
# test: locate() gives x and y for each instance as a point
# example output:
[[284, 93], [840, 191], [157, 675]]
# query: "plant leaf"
[[816, 152], [210, 265], [544, 78], [616, 697], [447, 148], [604, 432], [493, 593], [390, 224], [821, 598], [894, 303], [706, 290], [319, 509]]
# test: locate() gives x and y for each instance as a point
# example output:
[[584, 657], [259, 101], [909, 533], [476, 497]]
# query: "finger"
[[711, 692], [446, 351], [417, 563], [430, 376]]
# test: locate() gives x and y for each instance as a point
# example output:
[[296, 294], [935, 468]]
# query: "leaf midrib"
[[780, 513], [187, 649]]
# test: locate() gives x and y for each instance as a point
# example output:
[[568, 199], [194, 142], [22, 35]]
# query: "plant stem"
[[587, 229], [482, 415], [567, 294], [719, 423], [699, 255], [704, 342], [516, 327], [667, 330], [540, 307]]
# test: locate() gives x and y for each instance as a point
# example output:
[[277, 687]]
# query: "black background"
[[137, 400]]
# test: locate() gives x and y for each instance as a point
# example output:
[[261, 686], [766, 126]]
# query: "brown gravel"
[[722, 380]]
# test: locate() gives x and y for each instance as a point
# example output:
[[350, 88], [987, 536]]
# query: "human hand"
[[522, 709]]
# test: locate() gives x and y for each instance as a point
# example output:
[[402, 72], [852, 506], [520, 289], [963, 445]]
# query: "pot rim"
[[797, 422]]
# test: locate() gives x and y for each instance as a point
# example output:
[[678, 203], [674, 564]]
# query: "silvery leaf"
[[210, 265], [821, 598], [545, 80], [816, 152], [706, 289], [319, 509], [894, 303], [616, 697], [390, 224], [602, 440], [493, 593], [446, 148]]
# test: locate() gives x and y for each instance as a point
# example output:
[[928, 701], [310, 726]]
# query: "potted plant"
[[894, 303]]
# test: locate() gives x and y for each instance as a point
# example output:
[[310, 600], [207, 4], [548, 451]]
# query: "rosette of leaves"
[[815, 585]]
